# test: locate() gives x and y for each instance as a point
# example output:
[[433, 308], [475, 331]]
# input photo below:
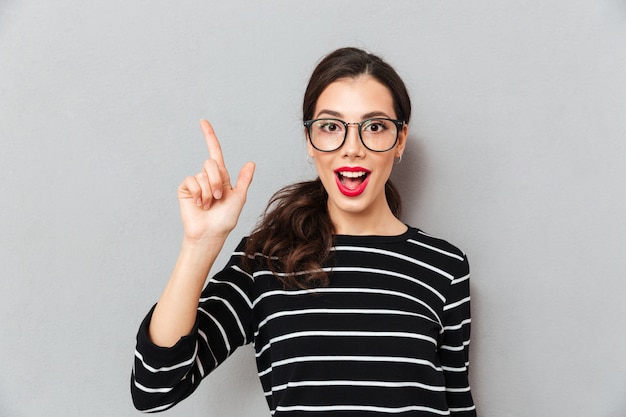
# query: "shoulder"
[[438, 252], [246, 260], [438, 244]]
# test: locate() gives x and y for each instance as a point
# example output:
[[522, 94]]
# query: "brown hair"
[[295, 234]]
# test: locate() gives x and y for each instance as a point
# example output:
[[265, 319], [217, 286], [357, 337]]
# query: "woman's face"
[[354, 176]]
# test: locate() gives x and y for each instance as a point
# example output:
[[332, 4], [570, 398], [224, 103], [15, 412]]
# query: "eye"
[[375, 126], [329, 126]]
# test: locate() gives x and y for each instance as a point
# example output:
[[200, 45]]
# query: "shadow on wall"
[[408, 178]]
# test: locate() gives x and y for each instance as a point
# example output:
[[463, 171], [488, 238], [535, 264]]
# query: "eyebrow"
[[363, 117]]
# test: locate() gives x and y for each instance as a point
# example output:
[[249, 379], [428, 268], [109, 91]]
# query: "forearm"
[[175, 313]]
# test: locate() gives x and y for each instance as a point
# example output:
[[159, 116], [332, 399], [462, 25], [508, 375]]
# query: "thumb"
[[245, 179]]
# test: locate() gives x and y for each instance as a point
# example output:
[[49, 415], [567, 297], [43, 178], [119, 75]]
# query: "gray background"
[[517, 154]]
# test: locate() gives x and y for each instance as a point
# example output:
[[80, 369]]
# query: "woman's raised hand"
[[209, 204], [210, 207]]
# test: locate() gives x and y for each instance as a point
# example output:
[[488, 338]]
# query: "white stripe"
[[454, 369], [234, 286], [348, 383], [167, 368], [206, 341], [219, 327], [262, 272], [343, 334], [391, 359], [458, 326], [333, 311], [396, 255], [262, 255], [455, 348], [159, 408], [458, 303], [152, 390], [454, 255], [459, 280], [456, 410], [347, 290], [464, 389], [388, 410], [391, 273], [200, 367], [238, 269], [234, 313]]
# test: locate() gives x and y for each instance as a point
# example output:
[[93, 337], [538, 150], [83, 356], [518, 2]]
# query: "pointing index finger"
[[213, 145], [215, 153]]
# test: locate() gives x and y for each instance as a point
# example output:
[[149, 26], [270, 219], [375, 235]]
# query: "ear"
[[310, 148], [402, 138]]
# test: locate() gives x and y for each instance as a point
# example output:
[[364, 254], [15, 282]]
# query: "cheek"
[[386, 165], [322, 164]]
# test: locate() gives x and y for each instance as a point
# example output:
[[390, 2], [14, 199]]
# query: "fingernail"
[[199, 202], [217, 194]]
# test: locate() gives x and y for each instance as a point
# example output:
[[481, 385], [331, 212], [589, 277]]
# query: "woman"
[[351, 311]]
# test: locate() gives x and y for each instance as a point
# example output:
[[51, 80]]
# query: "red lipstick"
[[352, 181]]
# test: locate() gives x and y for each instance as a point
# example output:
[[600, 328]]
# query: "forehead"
[[356, 97]]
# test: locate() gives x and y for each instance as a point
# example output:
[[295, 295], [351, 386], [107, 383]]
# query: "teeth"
[[350, 174]]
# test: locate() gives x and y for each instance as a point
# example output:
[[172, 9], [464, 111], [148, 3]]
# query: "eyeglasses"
[[377, 134]]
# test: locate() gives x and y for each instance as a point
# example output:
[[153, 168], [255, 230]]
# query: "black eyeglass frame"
[[399, 125]]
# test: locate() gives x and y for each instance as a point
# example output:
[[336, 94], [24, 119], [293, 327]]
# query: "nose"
[[353, 146]]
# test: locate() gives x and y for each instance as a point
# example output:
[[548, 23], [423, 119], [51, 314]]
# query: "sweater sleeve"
[[454, 346], [164, 376]]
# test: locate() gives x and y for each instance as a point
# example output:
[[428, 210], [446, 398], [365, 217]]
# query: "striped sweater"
[[389, 335]]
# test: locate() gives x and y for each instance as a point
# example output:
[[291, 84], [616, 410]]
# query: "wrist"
[[196, 258], [205, 246]]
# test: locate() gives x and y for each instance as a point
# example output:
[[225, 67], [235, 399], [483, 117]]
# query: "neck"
[[361, 224]]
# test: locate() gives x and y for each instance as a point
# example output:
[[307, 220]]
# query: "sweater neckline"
[[369, 239]]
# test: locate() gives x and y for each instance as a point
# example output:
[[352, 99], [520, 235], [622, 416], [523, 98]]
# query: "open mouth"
[[352, 181]]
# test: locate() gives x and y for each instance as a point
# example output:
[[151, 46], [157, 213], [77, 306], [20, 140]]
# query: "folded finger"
[[206, 194], [190, 188], [214, 178]]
